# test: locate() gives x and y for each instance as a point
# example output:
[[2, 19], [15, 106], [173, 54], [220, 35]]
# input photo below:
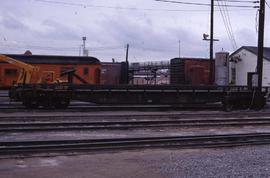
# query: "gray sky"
[[152, 32]]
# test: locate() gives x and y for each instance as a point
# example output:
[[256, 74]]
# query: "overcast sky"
[[153, 32]]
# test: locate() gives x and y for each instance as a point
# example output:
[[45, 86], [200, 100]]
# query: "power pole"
[[127, 50], [211, 43], [260, 44], [127, 65], [179, 48]]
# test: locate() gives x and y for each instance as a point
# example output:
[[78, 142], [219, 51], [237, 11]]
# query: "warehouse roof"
[[52, 59], [254, 50]]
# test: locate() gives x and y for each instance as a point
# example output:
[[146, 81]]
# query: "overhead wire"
[[50, 48], [267, 4], [205, 4], [239, 1], [125, 8], [246, 7], [231, 27], [227, 23]]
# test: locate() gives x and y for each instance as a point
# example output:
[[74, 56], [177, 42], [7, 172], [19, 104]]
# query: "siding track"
[[111, 125], [204, 141]]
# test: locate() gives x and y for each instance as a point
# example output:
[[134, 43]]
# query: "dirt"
[[251, 161]]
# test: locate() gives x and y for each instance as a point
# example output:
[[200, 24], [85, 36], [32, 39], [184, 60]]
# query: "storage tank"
[[222, 68]]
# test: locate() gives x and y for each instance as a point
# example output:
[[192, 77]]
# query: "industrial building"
[[243, 64]]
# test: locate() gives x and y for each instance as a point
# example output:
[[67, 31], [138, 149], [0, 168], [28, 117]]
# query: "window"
[[85, 71], [10, 72]]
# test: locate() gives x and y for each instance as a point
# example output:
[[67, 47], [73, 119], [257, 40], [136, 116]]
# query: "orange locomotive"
[[50, 68]]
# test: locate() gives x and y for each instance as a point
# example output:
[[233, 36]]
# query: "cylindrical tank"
[[222, 68]]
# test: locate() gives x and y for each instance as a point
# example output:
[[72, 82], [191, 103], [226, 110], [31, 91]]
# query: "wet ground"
[[253, 162]]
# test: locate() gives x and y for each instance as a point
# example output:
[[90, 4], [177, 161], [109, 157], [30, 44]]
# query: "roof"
[[189, 58], [112, 63], [254, 50], [52, 59]]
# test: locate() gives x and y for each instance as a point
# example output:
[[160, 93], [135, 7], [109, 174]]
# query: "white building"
[[244, 61]]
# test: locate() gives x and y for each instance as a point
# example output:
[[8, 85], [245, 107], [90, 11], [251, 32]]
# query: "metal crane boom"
[[27, 70]]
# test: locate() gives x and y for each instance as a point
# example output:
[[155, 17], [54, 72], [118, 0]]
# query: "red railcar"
[[193, 71], [113, 73], [88, 68]]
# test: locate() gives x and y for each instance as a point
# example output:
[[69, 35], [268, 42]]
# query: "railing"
[[150, 65]]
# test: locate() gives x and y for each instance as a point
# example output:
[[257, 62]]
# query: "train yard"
[[63, 113], [90, 131], [173, 125], [149, 112]]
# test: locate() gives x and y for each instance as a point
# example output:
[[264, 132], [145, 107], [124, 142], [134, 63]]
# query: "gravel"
[[242, 162]]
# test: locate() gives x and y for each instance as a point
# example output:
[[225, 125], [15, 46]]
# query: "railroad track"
[[43, 116], [205, 141], [89, 107], [130, 124]]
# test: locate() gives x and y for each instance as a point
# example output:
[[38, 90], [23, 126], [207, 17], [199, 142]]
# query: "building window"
[[85, 71], [10, 72], [233, 71]]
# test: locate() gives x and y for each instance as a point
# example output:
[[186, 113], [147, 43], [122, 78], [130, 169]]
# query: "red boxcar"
[[190, 71], [113, 73], [110, 73]]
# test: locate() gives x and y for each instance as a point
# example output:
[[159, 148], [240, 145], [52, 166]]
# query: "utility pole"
[[260, 44], [127, 65], [127, 50], [211, 43], [179, 48]]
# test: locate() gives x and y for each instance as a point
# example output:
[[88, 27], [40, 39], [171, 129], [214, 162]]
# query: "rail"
[[31, 126], [201, 141]]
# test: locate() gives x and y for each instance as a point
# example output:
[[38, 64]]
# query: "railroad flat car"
[[190, 71], [88, 68]]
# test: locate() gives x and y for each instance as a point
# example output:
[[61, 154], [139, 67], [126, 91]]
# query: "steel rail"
[[230, 140], [88, 107], [95, 125], [50, 116]]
